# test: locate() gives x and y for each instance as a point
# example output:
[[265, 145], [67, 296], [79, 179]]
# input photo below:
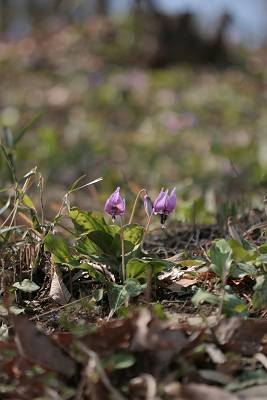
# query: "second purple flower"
[[165, 204]]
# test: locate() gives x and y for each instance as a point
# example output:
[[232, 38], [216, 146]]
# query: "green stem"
[[123, 270], [148, 290], [148, 222], [135, 204]]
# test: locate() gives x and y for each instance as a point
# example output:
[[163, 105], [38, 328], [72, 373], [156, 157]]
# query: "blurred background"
[[146, 93]]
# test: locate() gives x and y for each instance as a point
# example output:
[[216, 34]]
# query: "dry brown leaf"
[[39, 348], [182, 283], [139, 333], [143, 386], [58, 289], [194, 391], [243, 336], [261, 358], [216, 355], [253, 393], [171, 275]]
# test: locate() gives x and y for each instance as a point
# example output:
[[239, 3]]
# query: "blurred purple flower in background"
[[148, 204], [115, 204], [165, 204]]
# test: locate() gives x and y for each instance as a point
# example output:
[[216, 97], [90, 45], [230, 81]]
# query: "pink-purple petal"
[[159, 203], [171, 201], [148, 204], [115, 204]]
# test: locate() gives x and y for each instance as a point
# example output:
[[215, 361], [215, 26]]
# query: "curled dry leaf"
[[58, 289], [215, 353], [182, 283], [39, 348], [143, 386]]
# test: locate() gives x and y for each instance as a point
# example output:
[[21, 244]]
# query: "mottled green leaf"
[[202, 296], [57, 246], [220, 255], [117, 295], [241, 254], [26, 286], [259, 298], [242, 269], [133, 287], [133, 234], [119, 360], [86, 222], [27, 201], [233, 305], [136, 268]]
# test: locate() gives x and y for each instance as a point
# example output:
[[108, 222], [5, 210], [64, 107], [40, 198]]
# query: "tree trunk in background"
[[3, 15], [101, 7]]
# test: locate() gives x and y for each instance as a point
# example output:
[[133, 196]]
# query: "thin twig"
[[59, 308], [102, 373]]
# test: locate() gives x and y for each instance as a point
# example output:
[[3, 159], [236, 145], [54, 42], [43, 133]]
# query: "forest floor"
[[189, 319]]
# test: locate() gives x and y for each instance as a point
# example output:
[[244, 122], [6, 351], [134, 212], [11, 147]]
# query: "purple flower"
[[115, 204], [165, 204], [148, 204]]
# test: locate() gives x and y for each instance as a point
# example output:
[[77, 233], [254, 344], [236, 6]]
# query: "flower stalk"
[[135, 204], [123, 268]]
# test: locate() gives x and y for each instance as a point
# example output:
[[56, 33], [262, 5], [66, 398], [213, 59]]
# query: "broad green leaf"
[[263, 248], [136, 268], [116, 245], [118, 361], [191, 263], [233, 305], [117, 296], [87, 247], [102, 239], [98, 294], [220, 254], [246, 379], [13, 309], [133, 287], [241, 254], [201, 296], [259, 298], [262, 259], [27, 201], [242, 269], [26, 286], [133, 234], [86, 222], [93, 272], [97, 238], [56, 245]]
